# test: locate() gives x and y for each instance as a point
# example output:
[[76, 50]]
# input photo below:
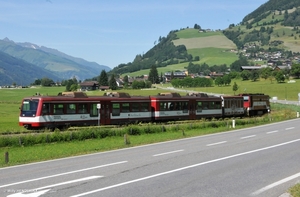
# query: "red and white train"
[[78, 109]]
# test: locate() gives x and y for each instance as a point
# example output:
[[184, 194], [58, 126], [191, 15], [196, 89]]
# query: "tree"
[[295, 70], [245, 74], [153, 75], [236, 65], [226, 79], [47, 82], [197, 58], [172, 75], [126, 80], [37, 82], [103, 78], [265, 73], [196, 26], [72, 84], [254, 75], [235, 87], [279, 76], [112, 83], [219, 81]]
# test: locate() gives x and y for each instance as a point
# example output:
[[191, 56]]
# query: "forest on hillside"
[[260, 30], [272, 5], [164, 53]]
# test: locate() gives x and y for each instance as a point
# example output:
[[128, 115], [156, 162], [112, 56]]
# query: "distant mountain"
[[59, 64], [14, 70]]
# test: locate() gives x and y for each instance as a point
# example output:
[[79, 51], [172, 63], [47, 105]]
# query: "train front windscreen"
[[29, 107]]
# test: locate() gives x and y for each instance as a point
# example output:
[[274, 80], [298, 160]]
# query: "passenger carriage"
[[232, 106], [77, 109]]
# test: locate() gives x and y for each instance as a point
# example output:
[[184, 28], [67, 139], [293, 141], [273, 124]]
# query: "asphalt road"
[[258, 161]]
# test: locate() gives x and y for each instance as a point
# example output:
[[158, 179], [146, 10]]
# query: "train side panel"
[[256, 104], [233, 106], [167, 108]]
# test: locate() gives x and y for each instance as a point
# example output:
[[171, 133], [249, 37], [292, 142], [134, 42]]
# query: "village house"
[[176, 75], [89, 85]]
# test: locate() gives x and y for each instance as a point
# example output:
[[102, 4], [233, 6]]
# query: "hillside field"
[[211, 56], [213, 48]]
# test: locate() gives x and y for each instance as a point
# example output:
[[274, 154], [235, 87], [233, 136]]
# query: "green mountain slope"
[[276, 20], [14, 70], [213, 48], [271, 5], [179, 48]]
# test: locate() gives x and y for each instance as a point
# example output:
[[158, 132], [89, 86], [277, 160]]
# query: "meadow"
[[214, 47]]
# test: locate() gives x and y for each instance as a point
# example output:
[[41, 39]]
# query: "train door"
[[105, 113], [192, 109]]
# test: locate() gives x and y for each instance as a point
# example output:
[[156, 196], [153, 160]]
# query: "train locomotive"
[[77, 109]]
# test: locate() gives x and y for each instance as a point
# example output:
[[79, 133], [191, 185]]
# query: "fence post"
[[233, 123], [126, 139], [6, 155]]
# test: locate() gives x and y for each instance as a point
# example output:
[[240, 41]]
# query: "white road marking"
[[34, 194], [185, 168], [250, 136], [56, 175], [289, 128], [171, 152], [216, 143], [270, 132], [275, 184]]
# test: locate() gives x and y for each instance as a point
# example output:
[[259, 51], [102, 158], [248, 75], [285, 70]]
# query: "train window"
[[29, 107], [116, 109], [58, 109], [212, 105], [162, 106], [184, 107], [125, 107], [172, 105], [175, 105], [218, 105], [94, 110], [46, 108], [246, 98], [144, 106], [199, 106], [82, 108], [71, 108], [135, 107], [205, 105]]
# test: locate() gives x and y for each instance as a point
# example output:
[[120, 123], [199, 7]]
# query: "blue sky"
[[115, 31]]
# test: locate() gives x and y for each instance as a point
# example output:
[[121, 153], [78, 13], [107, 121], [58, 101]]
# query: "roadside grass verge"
[[295, 190], [46, 151]]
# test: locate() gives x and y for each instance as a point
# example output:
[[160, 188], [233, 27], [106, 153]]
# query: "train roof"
[[169, 94], [73, 94], [251, 94]]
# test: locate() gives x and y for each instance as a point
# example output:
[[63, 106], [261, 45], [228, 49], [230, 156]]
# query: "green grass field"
[[194, 33], [213, 48], [213, 56]]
